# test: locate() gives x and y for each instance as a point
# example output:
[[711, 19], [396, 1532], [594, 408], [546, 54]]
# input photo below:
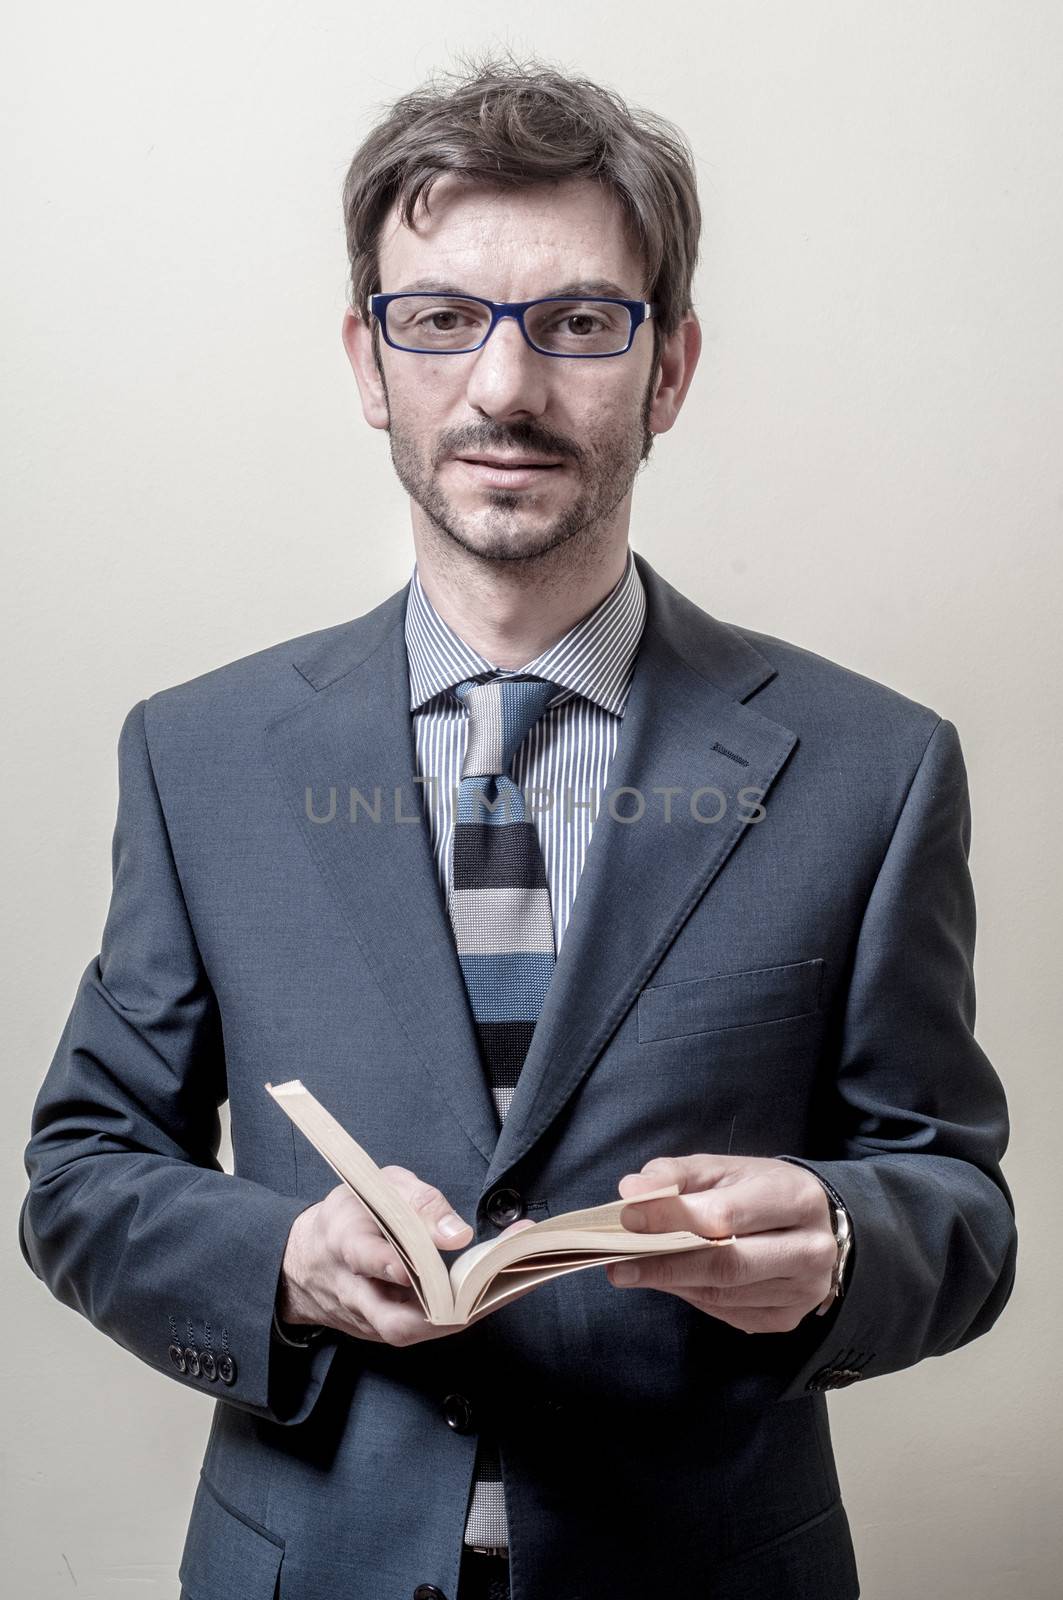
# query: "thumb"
[[518, 1227]]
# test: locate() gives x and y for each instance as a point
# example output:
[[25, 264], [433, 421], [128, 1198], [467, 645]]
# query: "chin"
[[505, 547]]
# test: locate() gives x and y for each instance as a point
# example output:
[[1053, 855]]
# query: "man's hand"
[[340, 1271], [780, 1267]]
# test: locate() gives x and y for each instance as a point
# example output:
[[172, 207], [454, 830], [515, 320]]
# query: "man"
[[354, 858]]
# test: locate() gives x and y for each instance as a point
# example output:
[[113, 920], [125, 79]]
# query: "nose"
[[506, 373]]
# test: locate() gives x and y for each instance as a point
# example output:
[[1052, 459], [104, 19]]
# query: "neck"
[[511, 611]]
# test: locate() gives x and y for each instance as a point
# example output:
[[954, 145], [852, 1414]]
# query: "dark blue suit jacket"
[[799, 985]]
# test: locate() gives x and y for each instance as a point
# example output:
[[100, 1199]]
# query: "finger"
[[343, 1210], [518, 1227], [348, 1301], [392, 1314], [753, 1258], [689, 1172], [397, 1314], [775, 1292], [755, 1204], [381, 1260], [771, 1292], [449, 1231], [370, 1255]]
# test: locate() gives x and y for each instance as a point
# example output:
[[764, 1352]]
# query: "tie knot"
[[502, 712]]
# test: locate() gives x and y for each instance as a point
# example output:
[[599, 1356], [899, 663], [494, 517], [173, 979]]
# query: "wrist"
[[293, 1310], [300, 1336], [841, 1227]]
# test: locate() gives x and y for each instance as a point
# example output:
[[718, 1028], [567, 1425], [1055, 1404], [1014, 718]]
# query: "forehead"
[[507, 242]]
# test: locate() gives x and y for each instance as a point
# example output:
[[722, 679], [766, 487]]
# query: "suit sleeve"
[[920, 1120], [129, 1218]]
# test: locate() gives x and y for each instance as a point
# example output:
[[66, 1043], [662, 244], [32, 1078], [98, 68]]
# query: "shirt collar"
[[596, 658]]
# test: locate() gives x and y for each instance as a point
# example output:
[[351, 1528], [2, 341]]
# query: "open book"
[[486, 1274]]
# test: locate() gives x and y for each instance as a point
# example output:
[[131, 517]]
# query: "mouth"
[[517, 472]]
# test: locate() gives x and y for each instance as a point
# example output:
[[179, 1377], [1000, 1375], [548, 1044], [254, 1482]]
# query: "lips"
[[510, 478], [507, 463]]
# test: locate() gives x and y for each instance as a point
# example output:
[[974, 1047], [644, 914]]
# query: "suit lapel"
[[685, 727], [356, 732]]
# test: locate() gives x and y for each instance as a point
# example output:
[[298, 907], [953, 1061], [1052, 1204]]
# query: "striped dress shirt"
[[564, 761], [561, 767]]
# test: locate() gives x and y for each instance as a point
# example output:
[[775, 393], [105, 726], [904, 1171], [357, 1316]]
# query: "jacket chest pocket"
[[729, 1000]]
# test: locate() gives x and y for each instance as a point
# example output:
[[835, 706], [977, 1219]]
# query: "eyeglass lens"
[[559, 327]]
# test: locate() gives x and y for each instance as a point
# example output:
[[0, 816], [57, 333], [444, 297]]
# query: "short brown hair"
[[511, 125]]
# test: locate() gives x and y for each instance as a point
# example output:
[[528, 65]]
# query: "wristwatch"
[[312, 1331], [839, 1219]]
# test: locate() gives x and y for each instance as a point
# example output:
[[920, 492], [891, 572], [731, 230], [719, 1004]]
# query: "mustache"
[[515, 445]]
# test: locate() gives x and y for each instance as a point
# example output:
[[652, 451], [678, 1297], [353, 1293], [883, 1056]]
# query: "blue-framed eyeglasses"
[[573, 327]]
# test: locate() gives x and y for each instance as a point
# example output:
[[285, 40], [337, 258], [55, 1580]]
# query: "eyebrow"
[[582, 286]]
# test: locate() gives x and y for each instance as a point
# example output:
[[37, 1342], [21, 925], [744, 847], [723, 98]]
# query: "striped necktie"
[[499, 906], [499, 902]]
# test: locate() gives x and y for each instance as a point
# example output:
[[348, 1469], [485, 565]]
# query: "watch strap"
[[843, 1236]]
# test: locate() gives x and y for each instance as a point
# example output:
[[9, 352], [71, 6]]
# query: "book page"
[[397, 1221]]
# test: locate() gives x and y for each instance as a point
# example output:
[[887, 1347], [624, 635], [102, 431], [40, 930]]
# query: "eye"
[[433, 316], [582, 316]]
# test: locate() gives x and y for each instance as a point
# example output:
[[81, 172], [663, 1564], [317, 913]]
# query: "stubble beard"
[[498, 533]]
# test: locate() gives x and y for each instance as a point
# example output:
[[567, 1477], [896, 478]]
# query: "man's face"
[[591, 416]]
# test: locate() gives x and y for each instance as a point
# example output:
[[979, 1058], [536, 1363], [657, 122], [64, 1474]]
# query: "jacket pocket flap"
[[226, 1556], [729, 1000]]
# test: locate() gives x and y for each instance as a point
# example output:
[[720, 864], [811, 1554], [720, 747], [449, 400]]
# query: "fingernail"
[[452, 1225], [626, 1272]]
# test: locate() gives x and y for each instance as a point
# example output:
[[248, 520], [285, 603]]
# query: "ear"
[[679, 357], [357, 336]]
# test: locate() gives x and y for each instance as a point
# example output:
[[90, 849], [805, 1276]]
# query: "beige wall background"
[[868, 464]]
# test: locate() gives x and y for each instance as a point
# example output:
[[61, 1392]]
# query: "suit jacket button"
[[192, 1360], [208, 1366], [505, 1206], [177, 1356], [458, 1413], [428, 1591], [226, 1369]]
